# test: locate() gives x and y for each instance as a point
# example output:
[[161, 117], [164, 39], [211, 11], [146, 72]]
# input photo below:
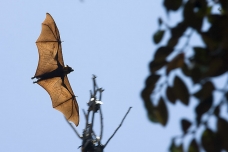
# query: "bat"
[[51, 74]]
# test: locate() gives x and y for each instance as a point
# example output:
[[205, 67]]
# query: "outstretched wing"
[[50, 57], [49, 47], [62, 96]]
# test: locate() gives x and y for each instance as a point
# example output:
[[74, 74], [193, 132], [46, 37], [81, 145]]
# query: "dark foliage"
[[207, 63]]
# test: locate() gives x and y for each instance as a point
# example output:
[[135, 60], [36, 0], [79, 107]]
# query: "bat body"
[[51, 74], [59, 72]]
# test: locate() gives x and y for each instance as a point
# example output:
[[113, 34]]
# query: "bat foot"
[[33, 77], [34, 82]]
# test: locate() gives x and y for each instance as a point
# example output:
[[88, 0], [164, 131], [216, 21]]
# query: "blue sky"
[[108, 38]]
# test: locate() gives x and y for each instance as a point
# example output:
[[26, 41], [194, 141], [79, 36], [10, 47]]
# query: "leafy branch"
[[208, 62]]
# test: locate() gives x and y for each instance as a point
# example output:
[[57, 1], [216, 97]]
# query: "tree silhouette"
[[90, 141], [207, 63]]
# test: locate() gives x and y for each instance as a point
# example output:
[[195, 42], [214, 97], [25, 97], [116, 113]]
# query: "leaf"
[[162, 112], [196, 74], [226, 95], [170, 95], [162, 53], [203, 107], [215, 38], [201, 55], [206, 91], [216, 67], [157, 114], [151, 80], [174, 148], [177, 62], [186, 70], [173, 41], [208, 10], [179, 29], [191, 17], [180, 90], [210, 141], [158, 36], [160, 21], [212, 18], [224, 4], [185, 124], [176, 33], [150, 84], [152, 115], [194, 71], [172, 5], [193, 147], [222, 126], [217, 111], [208, 40], [154, 66], [148, 105]]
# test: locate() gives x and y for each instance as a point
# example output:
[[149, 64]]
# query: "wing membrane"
[[63, 98], [49, 47], [50, 71]]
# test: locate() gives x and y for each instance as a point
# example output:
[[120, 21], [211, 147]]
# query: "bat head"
[[68, 69]]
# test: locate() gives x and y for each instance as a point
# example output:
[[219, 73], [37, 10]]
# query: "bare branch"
[[101, 118], [100, 90], [86, 116], [94, 83], [118, 127], [71, 125], [91, 127], [90, 142]]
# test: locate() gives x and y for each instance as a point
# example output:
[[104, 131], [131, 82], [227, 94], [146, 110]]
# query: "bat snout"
[[68, 69]]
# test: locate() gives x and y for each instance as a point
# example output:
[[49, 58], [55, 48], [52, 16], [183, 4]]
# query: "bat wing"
[[62, 96], [49, 47]]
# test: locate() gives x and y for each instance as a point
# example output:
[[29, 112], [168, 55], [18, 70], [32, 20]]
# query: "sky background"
[[108, 38]]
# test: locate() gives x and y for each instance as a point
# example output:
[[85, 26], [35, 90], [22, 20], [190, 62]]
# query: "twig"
[[101, 133], [94, 84], [100, 90], [92, 122], [118, 127], [79, 136], [86, 116]]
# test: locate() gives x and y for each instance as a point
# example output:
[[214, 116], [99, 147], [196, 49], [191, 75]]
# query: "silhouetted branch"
[[92, 118], [101, 120], [118, 127], [90, 142], [79, 136]]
